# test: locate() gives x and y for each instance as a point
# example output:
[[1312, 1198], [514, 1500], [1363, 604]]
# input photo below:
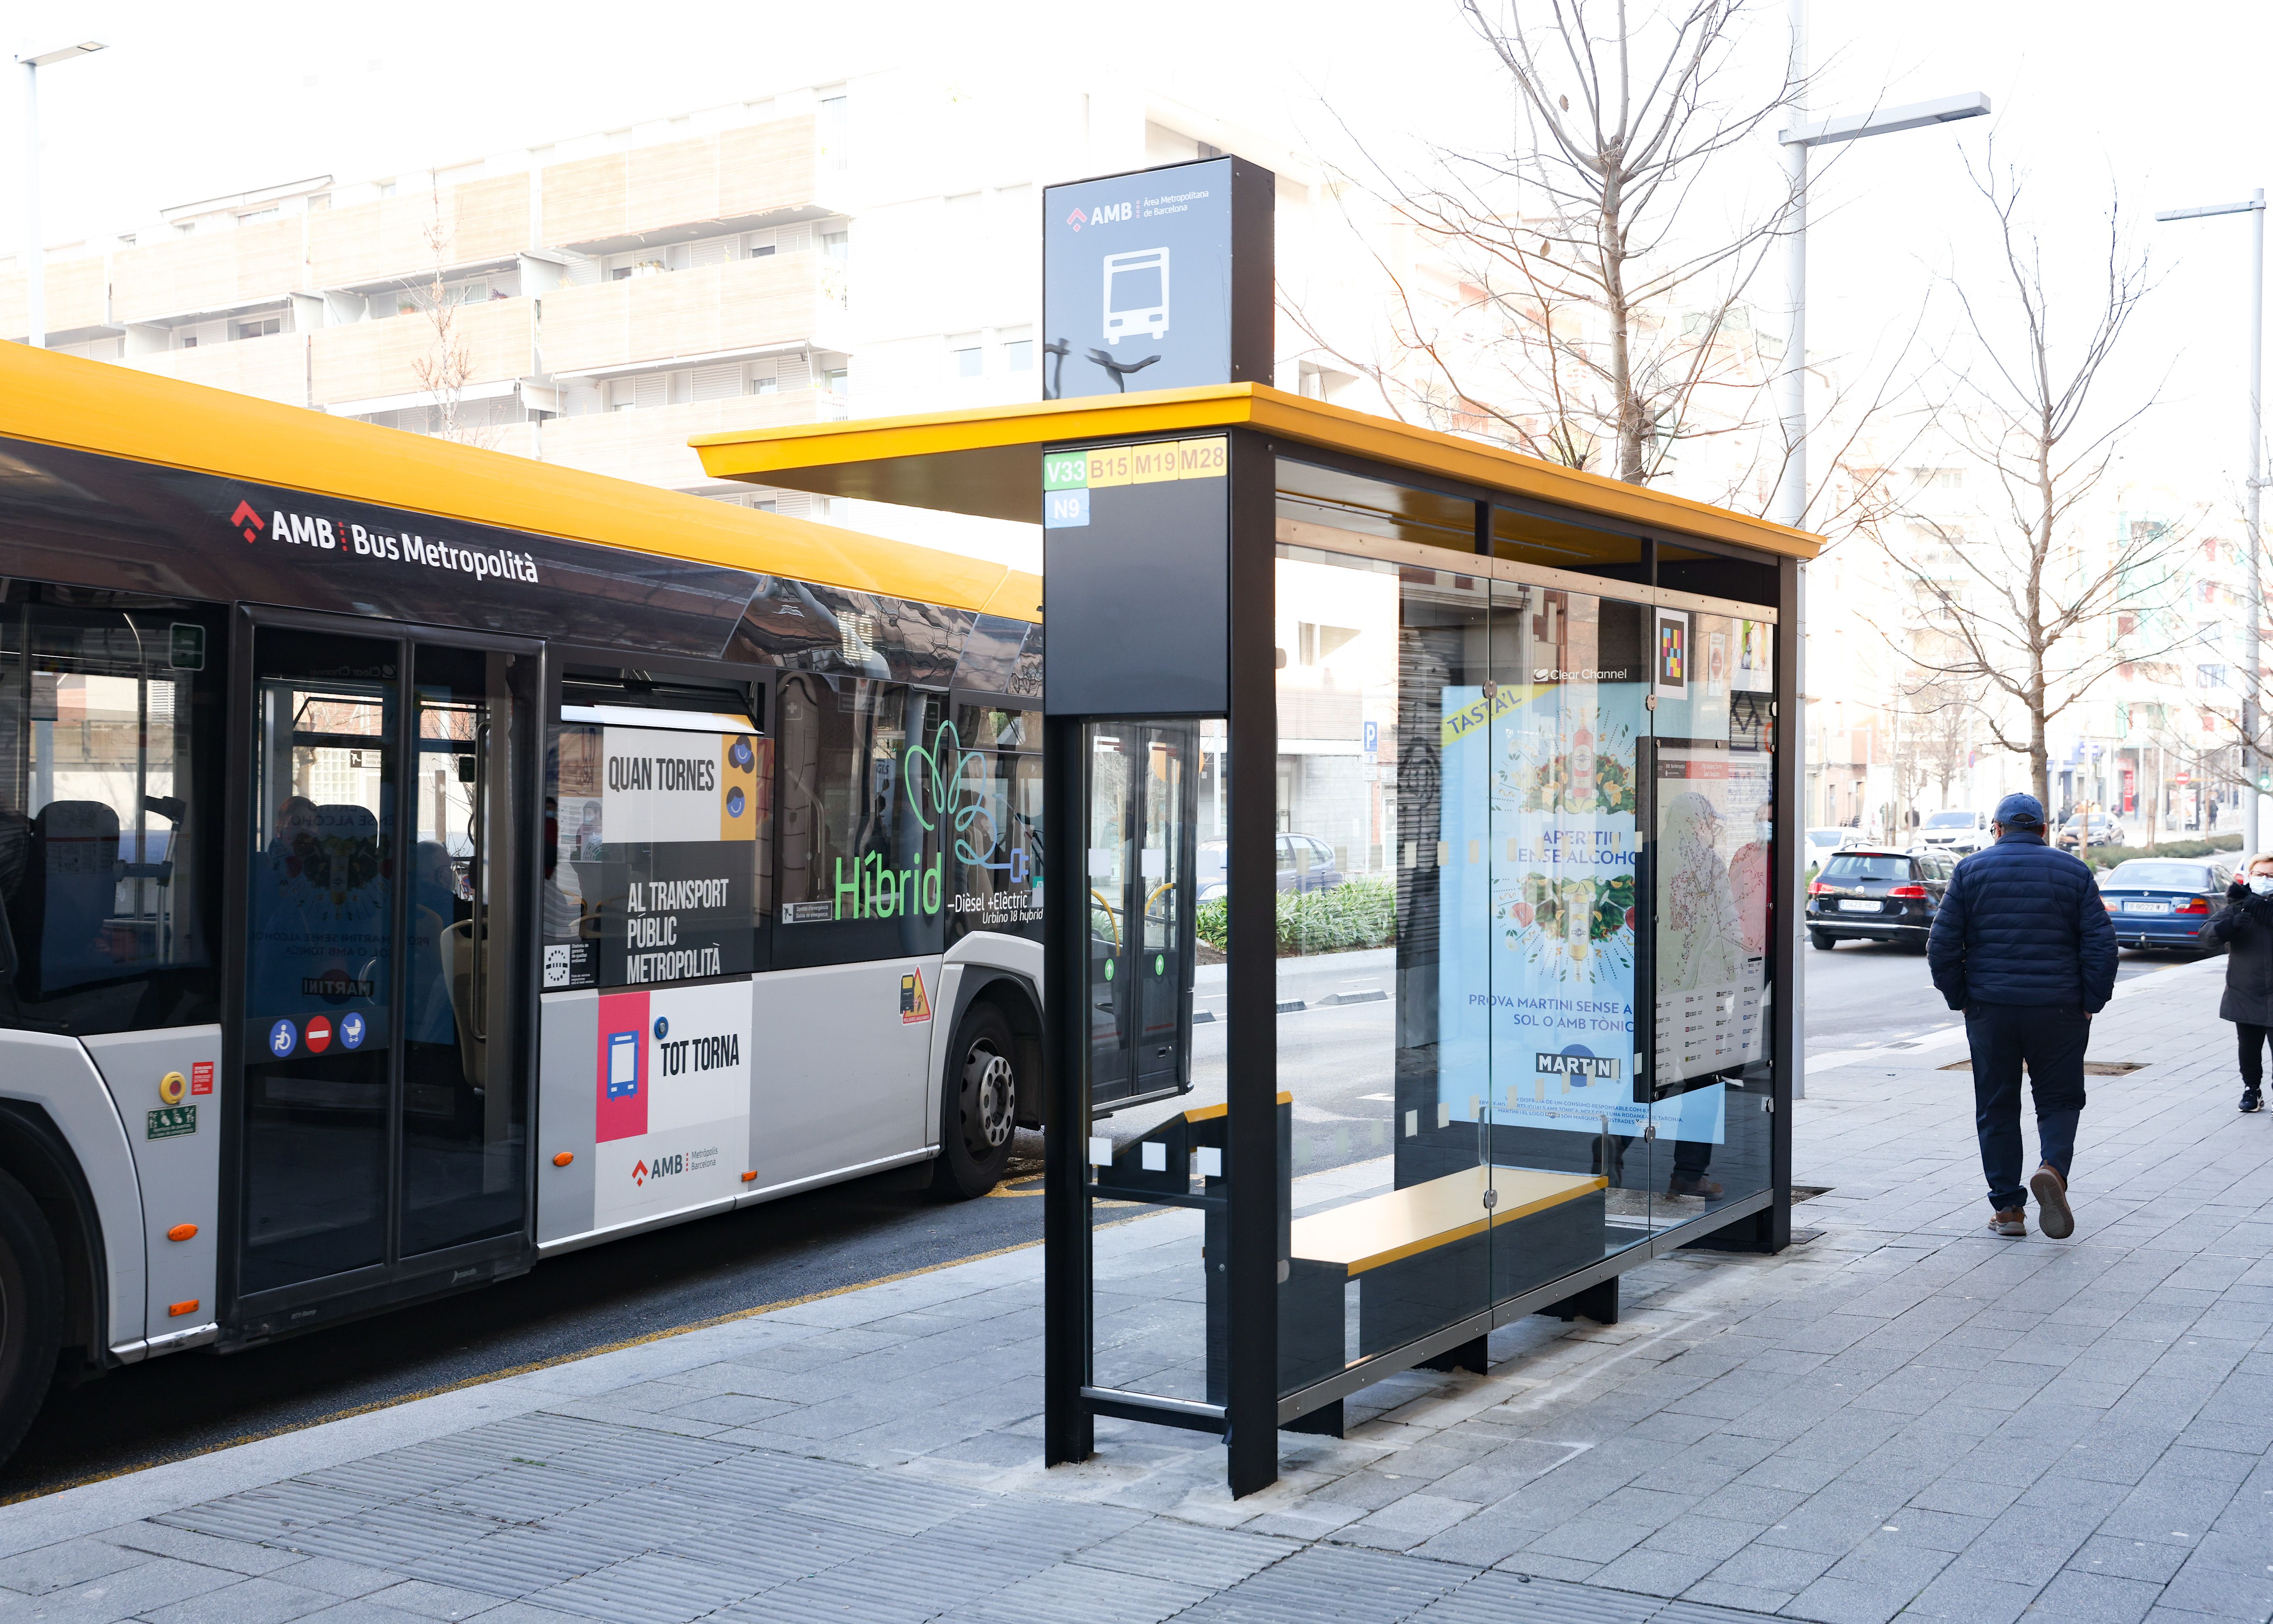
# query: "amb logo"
[[1104, 214], [661, 1167]]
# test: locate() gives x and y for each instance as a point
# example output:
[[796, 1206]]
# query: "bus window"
[[850, 849], [464, 1095], [106, 743], [993, 828], [319, 956]]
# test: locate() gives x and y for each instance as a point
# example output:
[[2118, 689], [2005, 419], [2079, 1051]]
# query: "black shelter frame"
[[1245, 1208]]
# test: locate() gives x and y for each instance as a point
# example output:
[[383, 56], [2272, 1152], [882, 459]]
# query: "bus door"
[[1142, 794], [382, 1121]]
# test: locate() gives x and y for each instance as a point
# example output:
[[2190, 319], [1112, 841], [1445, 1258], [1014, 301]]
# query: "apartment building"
[[867, 247]]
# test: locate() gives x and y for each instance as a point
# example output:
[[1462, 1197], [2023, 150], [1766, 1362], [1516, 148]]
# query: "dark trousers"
[[2051, 1039], [2252, 1041]]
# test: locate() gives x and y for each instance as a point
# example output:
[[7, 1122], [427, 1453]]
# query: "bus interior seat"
[[71, 889], [458, 965]]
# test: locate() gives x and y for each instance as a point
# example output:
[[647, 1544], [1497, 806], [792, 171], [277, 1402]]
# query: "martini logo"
[[1576, 1062], [248, 521], [336, 986]]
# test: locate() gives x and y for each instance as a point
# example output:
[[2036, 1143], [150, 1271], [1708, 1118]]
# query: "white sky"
[[194, 102]]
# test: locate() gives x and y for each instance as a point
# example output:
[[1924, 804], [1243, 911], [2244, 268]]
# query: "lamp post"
[[2252, 762], [1791, 384], [35, 271]]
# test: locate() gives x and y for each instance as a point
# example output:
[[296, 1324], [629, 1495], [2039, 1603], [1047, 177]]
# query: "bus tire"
[[31, 1311], [978, 1106]]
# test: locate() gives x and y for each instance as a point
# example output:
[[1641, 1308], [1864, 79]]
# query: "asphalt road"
[[1862, 993], [1341, 1042]]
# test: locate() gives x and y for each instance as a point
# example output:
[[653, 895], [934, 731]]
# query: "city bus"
[[417, 861]]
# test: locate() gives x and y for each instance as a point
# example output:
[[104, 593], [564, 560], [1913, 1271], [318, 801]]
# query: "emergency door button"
[[181, 1232], [173, 1088]]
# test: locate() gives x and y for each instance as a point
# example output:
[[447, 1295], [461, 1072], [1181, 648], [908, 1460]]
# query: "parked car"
[[2100, 829], [1305, 864], [1876, 895], [1952, 831], [2164, 901]]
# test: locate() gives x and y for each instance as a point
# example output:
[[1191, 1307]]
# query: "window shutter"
[[718, 383]]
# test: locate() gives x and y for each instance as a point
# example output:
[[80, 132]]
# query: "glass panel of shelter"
[[1513, 821], [1560, 744], [1714, 944], [1391, 1191], [1468, 809], [1154, 1133]]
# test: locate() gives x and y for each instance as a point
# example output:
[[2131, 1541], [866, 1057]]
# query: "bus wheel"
[[31, 1311], [980, 1106]]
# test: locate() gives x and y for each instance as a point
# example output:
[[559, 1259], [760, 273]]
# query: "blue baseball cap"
[[2017, 809]]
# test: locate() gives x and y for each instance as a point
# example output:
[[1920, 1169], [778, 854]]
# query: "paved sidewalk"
[[1905, 1417]]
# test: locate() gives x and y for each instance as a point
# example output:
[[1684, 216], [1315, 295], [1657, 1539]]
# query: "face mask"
[[2261, 884]]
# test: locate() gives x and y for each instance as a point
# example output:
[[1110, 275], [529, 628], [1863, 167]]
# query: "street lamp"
[[35, 273], [1791, 490], [2252, 679], [1791, 384]]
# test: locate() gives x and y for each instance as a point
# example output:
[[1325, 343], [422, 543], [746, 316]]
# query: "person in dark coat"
[[2023, 945], [2243, 927]]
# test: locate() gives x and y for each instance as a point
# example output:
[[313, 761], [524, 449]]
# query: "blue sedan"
[[2164, 901]]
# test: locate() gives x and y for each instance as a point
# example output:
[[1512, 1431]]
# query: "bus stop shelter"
[[1419, 882]]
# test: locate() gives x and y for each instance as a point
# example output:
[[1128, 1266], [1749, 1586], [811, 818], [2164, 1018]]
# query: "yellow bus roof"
[[983, 459], [114, 411]]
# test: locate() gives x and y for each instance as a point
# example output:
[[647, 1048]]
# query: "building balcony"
[[213, 270], [378, 360], [76, 290], [274, 368], [650, 446], [746, 304], [390, 240], [735, 175]]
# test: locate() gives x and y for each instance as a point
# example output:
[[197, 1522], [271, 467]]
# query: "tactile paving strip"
[[1215, 1558], [1333, 1585], [648, 1590]]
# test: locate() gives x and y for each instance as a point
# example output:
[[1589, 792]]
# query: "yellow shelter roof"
[[983, 460], [116, 411]]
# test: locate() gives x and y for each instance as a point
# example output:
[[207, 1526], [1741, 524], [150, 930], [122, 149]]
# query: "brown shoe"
[[2014, 1221], [2053, 1214]]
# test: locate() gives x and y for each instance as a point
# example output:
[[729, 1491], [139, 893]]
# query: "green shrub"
[[2108, 856], [1360, 912]]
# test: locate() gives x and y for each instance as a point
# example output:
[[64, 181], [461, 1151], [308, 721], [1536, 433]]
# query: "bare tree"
[[1587, 329], [2021, 612], [447, 366], [1937, 730]]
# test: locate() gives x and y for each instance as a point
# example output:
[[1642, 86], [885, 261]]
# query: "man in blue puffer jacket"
[[2023, 945]]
